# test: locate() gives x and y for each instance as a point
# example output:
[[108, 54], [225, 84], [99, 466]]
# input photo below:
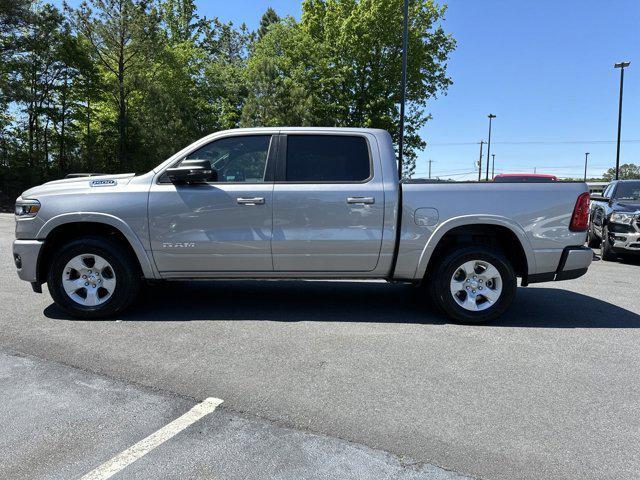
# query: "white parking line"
[[133, 453]]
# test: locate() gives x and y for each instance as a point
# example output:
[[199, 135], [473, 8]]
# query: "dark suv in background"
[[614, 220]]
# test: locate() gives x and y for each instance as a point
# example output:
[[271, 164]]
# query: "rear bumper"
[[25, 257], [574, 263]]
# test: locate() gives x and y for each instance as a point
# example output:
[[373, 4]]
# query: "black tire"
[[443, 271], [124, 267], [607, 252], [592, 240]]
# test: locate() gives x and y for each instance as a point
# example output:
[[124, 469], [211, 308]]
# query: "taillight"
[[580, 217]]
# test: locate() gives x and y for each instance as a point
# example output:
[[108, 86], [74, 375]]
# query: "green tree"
[[281, 91], [268, 18], [341, 64], [36, 74], [119, 85], [122, 36], [14, 16], [168, 107], [225, 84], [181, 21], [628, 171]]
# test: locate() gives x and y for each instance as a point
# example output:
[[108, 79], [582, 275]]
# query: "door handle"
[[250, 201], [361, 200]]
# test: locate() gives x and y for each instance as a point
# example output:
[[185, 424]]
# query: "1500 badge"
[[178, 244], [103, 183]]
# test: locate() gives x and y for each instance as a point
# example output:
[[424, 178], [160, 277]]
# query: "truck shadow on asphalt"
[[322, 301]]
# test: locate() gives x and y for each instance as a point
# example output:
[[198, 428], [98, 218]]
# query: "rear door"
[[328, 204]]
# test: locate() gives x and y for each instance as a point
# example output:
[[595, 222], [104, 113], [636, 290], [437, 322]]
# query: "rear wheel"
[[473, 284], [93, 277]]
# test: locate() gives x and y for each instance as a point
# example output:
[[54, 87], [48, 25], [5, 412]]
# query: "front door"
[[221, 226], [328, 205]]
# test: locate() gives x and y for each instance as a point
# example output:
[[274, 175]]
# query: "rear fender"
[[455, 222]]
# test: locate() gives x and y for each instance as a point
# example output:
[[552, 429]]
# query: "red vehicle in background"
[[524, 178]]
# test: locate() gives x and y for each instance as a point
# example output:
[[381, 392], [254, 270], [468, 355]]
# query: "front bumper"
[[625, 242], [574, 263], [25, 257]]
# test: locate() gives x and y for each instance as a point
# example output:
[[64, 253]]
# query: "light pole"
[[493, 165], [403, 86], [586, 156], [621, 66], [491, 117], [480, 162]]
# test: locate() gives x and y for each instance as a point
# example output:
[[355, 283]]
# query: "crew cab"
[[297, 203], [615, 219]]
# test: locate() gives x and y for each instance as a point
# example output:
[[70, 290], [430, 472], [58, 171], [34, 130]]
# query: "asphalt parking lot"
[[323, 380]]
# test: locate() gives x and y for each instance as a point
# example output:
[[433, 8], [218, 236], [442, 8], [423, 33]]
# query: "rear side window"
[[327, 158]]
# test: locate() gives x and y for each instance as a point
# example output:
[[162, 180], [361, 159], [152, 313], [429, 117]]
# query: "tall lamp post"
[[480, 162], [403, 84], [586, 156], [491, 117], [621, 66], [493, 165]]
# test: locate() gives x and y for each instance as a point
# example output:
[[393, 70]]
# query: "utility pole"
[[621, 66], [491, 117], [480, 162], [493, 165], [586, 156], [403, 86], [430, 162]]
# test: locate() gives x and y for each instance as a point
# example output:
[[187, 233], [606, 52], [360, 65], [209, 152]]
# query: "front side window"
[[608, 191], [236, 159], [327, 158]]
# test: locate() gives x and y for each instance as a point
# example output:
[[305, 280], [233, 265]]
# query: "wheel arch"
[[66, 227], [505, 233]]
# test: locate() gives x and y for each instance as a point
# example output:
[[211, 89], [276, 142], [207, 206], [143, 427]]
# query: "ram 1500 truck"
[[297, 203], [615, 219]]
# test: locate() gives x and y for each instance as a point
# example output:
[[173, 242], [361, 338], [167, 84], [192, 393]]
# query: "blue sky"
[[544, 67]]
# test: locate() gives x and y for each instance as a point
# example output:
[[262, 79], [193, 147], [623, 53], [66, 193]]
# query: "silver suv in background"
[[297, 203]]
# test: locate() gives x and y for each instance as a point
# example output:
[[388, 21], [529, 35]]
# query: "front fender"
[[469, 220], [148, 267]]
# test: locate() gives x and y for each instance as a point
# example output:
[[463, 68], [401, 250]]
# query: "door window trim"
[[269, 171], [281, 162]]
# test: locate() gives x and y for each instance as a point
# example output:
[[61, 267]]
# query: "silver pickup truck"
[[297, 203]]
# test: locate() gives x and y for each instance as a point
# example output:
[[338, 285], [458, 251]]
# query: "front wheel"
[[607, 252], [473, 284], [93, 277], [592, 240]]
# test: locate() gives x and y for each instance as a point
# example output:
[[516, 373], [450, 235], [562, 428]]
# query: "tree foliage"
[[340, 65], [268, 18], [628, 171], [119, 85]]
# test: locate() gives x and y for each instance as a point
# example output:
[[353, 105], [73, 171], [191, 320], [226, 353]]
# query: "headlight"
[[624, 218], [27, 208]]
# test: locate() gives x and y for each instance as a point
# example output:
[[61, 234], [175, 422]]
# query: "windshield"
[[628, 191]]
